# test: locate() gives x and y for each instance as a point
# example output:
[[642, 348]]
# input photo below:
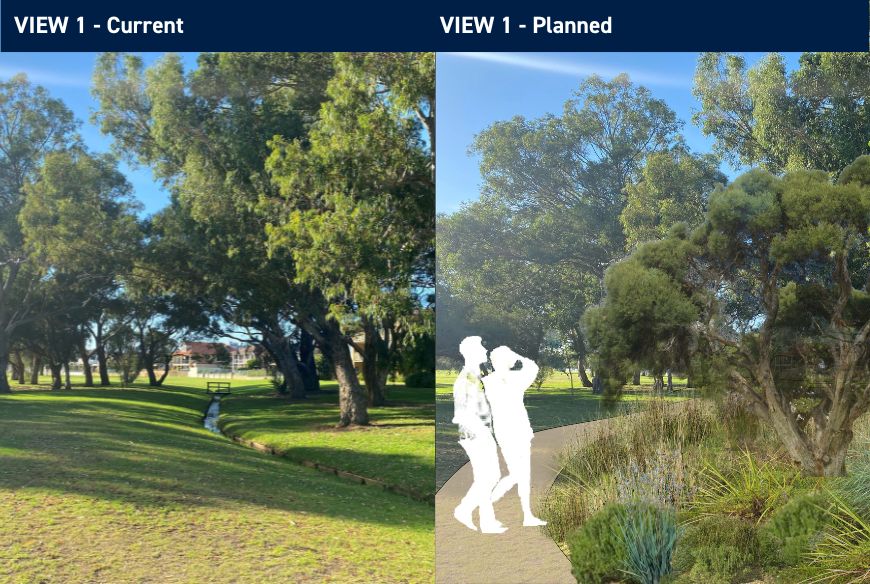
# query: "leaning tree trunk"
[[581, 372], [103, 365], [307, 365], [376, 366], [86, 366], [284, 354], [597, 384], [4, 364], [149, 369], [56, 381], [353, 400], [17, 367], [820, 454], [166, 362], [35, 368]]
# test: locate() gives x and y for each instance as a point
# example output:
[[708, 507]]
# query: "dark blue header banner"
[[161, 25]]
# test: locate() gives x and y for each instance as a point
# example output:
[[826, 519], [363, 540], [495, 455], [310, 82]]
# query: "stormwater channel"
[[211, 415]]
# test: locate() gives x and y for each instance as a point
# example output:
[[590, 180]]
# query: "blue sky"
[[476, 89], [68, 76]]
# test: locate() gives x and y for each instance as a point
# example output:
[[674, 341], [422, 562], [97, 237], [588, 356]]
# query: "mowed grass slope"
[[111, 485], [398, 448]]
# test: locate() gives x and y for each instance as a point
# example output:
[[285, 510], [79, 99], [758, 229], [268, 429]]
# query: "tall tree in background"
[[553, 193], [32, 124], [816, 117], [672, 188], [357, 200], [73, 193]]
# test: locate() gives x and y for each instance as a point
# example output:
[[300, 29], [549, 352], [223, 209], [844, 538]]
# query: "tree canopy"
[[773, 286]]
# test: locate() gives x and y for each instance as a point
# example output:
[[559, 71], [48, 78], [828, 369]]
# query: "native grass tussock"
[[700, 492]]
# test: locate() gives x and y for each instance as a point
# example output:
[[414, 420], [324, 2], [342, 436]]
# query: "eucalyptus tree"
[[74, 193], [536, 245], [205, 134], [672, 188], [32, 124], [357, 201], [815, 117]]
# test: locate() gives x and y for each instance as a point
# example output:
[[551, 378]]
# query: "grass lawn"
[[398, 448], [554, 405], [124, 485]]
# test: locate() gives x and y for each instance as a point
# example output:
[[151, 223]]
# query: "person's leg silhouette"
[[517, 456], [483, 454]]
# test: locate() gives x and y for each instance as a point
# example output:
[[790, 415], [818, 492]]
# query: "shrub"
[[842, 553], [663, 479], [741, 426], [719, 549], [597, 548], [686, 424], [650, 534], [797, 525], [854, 488], [324, 368], [448, 363], [420, 379], [751, 490]]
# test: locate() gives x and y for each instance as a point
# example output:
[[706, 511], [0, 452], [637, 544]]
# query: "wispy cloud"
[[45, 77], [573, 68]]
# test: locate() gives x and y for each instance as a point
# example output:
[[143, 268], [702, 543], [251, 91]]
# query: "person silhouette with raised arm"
[[472, 414], [504, 389]]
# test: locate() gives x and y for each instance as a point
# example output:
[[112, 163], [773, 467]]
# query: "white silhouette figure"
[[504, 389], [471, 412]]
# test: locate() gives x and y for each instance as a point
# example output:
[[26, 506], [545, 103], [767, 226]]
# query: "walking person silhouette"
[[472, 414], [504, 389]]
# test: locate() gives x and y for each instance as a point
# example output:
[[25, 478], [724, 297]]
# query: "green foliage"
[[750, 491], [854, 488], [672, 188], [842, 553], [650, 534], [598, 551], [325, 370], [530, 254], [420, 379], [646, 318], [719, 549], [797, 525], [659, 427], [775, 270], [814, 117]]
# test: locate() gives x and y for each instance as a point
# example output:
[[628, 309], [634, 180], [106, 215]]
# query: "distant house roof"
[[204, 348], [197, 348]]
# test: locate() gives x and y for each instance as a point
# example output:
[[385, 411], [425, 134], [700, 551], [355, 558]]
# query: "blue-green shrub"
[[650, 534]]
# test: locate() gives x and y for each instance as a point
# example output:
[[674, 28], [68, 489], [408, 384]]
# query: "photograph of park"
[[676, 245], [217, 317]]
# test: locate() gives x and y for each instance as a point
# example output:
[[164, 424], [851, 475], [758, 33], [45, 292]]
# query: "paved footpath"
[[521, 555]]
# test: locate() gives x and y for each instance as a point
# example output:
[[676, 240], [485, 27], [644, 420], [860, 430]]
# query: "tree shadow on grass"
[[147, 450]]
